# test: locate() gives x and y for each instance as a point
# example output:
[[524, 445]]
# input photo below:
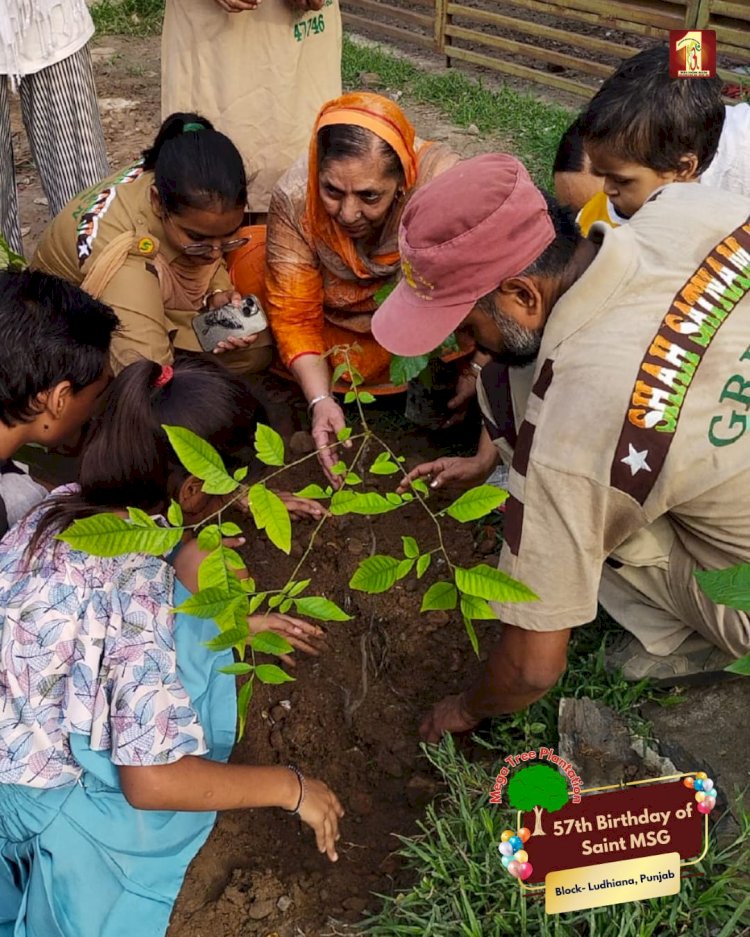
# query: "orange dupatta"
[[386, 120]]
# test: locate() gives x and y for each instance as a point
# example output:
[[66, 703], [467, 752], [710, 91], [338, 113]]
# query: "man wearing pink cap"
[[630, 461]]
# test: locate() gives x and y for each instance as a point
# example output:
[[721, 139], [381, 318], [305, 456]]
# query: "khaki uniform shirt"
[[74, 241], [639, 407]]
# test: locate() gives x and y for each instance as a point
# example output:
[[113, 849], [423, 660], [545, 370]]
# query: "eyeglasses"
[[201, 250]]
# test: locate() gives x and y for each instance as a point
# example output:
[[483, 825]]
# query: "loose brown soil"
[[351, 717]]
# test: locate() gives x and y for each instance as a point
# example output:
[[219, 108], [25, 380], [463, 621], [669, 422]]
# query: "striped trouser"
[[61, 117]]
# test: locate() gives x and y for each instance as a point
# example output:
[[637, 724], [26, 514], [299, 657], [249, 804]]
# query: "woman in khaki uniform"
[[150, 241]]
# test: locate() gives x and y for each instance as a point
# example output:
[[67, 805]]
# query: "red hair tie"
[[167, 373]]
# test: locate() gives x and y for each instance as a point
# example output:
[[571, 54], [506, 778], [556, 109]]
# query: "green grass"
[[531, 127], [462, 890], [128, 17]]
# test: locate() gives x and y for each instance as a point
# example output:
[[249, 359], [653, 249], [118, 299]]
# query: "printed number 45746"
[[313, 25]]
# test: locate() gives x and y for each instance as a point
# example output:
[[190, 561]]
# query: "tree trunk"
[[538, 831]]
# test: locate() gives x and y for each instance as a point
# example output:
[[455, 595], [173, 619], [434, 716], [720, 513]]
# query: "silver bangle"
[[318, 400], [301, 778]]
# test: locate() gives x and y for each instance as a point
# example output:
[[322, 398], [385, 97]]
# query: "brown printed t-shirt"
[[639, 407], [75, 239]]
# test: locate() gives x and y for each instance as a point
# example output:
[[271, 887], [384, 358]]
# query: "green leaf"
[[209, 538], [233, 559], [347, 501], [296, 587], [477, 609], [404, 568], [339, 468], [206, 603], [405, 369], [375, 574], [9, 259], [285, 606], [174, 514], [476, 503], [275, 600], [440, 596], [420, 485], [350, 396], [392, 498], [366, 397], [237, 668], [338, 372], [255, 602], [213, 573], [140, 519], [423, 564], [384, 292], [411, 547], [317, 606], [269, 446], [270, 514], [407, 496], [247, 585], [240, 474], [243, 702], [449, 344], [486, 582], [344, 433], [230, 529], [472, 635], [313, 491], [110, 535], [201, 459], [741, 666], [352, 479], [727, 586], [357, 378], [384, 468], [227, 639], [270, 673], [268, 642]]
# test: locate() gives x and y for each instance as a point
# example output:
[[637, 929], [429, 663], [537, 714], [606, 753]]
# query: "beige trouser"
[[655, 596]]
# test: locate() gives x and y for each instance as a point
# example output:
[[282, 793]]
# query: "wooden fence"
[[567, 44]]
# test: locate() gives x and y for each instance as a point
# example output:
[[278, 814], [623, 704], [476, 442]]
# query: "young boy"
[[643, 130], [53, 367]]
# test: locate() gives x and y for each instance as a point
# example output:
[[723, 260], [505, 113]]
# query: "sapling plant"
[[229, 595]]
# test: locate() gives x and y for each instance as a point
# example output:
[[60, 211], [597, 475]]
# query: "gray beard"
[[521, 344]]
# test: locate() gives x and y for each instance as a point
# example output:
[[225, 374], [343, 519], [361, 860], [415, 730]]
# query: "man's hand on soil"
[[449, 472], [449, 715]]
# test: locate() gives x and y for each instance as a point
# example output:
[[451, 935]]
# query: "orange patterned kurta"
[[321, 283]]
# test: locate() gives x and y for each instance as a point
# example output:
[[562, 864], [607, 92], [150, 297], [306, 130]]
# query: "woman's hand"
[[448, 472], [300, 634], [321, 811], [300, 508], [238, 6], [216, 301], [327, 421]]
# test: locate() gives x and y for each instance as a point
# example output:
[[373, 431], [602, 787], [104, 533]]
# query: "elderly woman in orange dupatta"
[[150, 241], [332, 243]]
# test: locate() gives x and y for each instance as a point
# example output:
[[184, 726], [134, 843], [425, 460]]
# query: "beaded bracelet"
[[301, 778]]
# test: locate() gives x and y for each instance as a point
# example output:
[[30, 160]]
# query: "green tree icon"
[[537, 788]]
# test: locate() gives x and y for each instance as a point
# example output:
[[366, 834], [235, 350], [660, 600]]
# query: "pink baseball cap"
[[460, 236]]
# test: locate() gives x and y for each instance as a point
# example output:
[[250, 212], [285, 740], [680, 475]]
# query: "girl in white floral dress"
[[114, 720]]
